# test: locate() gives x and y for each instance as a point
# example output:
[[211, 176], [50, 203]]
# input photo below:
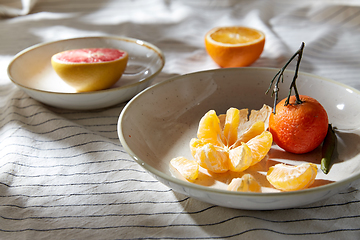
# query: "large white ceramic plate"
[[157, 125], [32, 72]]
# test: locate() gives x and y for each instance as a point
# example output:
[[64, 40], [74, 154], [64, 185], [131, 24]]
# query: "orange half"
[[234, 46]]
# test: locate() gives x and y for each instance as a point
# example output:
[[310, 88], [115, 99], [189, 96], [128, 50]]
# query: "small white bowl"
[[32, 72], [158, 123]]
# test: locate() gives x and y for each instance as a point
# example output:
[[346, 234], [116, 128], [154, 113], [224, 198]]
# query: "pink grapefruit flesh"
[[90, 55], [90, 69]]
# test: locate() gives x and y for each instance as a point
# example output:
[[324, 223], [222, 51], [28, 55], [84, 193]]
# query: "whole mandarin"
[[299, 128]]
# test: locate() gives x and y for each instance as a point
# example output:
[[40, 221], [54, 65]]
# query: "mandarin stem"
[[293, 83], [280, 77]]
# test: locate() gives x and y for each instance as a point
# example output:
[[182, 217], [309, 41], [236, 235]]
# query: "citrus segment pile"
[[219, 146], [234, 46], [291, 178], [234, 142], [90, 69]]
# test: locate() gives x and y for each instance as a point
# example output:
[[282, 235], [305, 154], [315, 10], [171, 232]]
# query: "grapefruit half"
[[90, 69]]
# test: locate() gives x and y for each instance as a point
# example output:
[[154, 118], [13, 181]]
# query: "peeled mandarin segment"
[[212, 158], [231, 125], [189, 169], [195, 144], [291, 178], [196, 148], [260, 146], [222, 119], [199, 150], [247, 183], [256, 129], [240, 158], [209, 129]]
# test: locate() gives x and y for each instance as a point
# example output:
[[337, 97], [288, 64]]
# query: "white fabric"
[[64, 173], [16, 8]]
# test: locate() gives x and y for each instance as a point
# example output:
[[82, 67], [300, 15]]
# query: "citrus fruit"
[[260, 145], [240, 158], [256, 129], [232, 121], [220, 145], [189, 169], [209, 156], [291, 178], [299, 127], [247, 183], [209, 128], [90, 69], [234, 46]]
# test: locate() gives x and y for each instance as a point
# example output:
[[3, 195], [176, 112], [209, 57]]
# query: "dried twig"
[[280, 77]]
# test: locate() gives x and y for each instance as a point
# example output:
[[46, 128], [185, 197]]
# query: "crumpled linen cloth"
[[64, 173], [16, 8]]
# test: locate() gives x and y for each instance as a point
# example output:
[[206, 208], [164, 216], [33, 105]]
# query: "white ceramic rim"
[[126, 39], [323, 188]]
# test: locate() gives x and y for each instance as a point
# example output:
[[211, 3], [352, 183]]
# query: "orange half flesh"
[[234, 46]]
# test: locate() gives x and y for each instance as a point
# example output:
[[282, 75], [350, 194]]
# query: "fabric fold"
[[17, 8]]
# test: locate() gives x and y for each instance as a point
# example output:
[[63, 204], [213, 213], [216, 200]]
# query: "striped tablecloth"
[[64, 173]]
